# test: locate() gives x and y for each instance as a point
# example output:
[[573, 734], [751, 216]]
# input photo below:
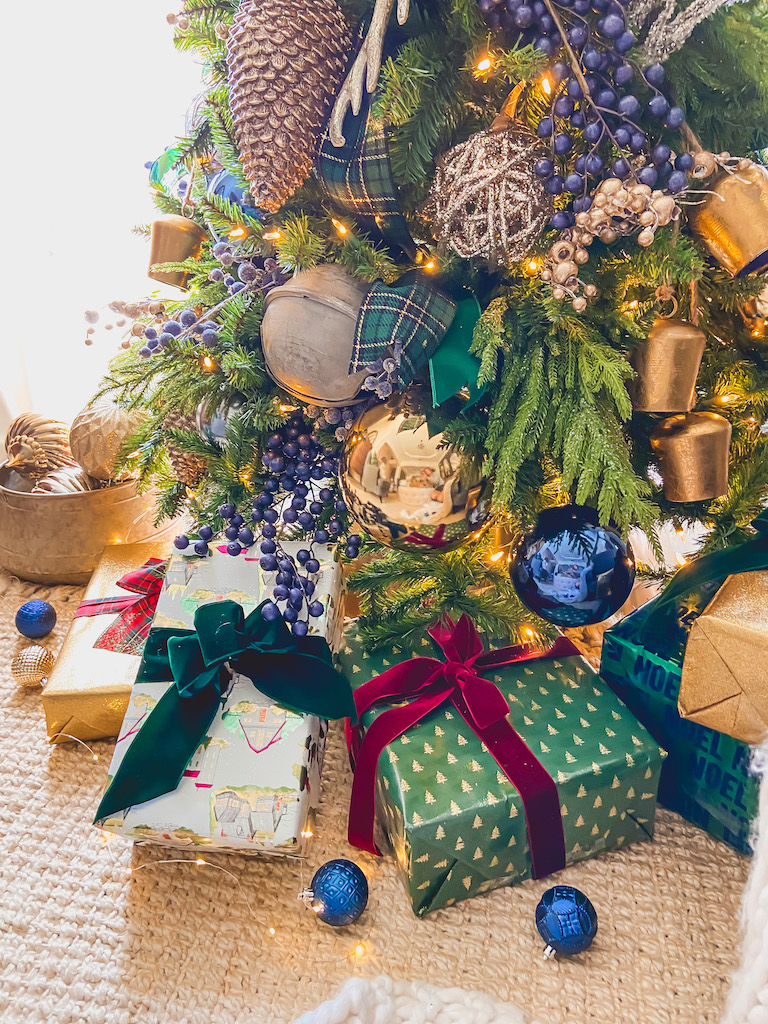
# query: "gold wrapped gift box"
[[87, 692], [725, 672]]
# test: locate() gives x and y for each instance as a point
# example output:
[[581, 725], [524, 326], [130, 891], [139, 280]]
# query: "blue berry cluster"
[[613, 129], [299, 497], [187, 324], [259, 271]]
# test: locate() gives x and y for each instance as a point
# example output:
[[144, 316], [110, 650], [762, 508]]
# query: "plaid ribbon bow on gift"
[[128, 633]]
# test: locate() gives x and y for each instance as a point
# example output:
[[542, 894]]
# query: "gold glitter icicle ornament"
[[286, 60], [36, 445], [486, 199], [32, 666]]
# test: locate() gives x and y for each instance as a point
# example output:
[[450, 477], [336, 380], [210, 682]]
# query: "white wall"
[[91, 90]]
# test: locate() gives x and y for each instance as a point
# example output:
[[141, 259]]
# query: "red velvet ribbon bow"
[[425, 684], [127, 634]]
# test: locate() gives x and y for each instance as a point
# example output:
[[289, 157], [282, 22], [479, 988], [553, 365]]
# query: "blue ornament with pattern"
[[35, 619], [566, 920], [338, 893]]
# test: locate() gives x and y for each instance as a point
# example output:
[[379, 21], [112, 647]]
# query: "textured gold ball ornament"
[[308, 334], [732, 218], [286, 59], [36, 445], [32, 666], [97, 434], [667, 364], [486, 199], [693, 451], [404, 486]]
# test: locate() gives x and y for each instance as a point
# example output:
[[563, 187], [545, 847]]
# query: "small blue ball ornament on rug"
[[338, 893], [566, 920], [35, 619]]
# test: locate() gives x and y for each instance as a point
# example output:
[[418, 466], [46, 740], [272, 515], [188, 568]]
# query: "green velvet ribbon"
[[453, 366], [295, 672], [716, 566]]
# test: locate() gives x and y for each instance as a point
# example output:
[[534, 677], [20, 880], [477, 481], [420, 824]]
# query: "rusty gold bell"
[[667, 364], [754, 312], [174, 239], [32, 666], [732, 221], [693, 453]]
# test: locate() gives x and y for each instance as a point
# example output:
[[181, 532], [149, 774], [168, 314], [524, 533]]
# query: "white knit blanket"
[[386, 1001]]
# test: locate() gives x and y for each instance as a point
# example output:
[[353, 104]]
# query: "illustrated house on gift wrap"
[[239, 819]]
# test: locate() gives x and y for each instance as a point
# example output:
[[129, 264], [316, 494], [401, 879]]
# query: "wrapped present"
[[87, 692], [223, 741], [724, 683], [706, 776], [486, 768]]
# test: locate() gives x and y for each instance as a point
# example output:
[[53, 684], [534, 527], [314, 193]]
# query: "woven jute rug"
[[84, 940]]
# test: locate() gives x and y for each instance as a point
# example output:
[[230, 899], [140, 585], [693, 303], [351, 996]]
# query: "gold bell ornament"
[[754, 312], [32, 666], [732, 219], [692, 449], [667, 364], [174, 239]]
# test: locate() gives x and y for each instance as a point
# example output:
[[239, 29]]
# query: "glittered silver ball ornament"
[[486, 199], [308, 334], [404, 486], [32, 666], [571, 570]]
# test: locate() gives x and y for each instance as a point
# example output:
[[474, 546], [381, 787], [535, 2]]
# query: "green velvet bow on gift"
[[295, 672]]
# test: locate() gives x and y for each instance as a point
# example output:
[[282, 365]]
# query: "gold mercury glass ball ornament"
[[96, 436], [32, 666], [404, 486]]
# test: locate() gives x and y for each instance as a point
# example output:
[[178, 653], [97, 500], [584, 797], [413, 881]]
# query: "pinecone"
[[286, 60], [189, 468]]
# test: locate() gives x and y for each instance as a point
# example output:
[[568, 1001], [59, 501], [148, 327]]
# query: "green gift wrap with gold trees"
[[453, 819]]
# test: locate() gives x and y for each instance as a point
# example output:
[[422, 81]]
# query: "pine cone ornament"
[[189, 468], [286, 60], [36, 445]]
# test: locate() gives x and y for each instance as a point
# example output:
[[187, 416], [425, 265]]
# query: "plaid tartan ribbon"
[[357, 177], [128, 633], [415, 314]]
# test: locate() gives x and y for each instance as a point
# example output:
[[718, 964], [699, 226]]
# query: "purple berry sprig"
[[299, 498]]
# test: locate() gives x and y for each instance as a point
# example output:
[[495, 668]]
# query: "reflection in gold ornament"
[[693, 452], [407, 488]]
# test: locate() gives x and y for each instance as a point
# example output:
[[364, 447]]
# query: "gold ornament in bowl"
[[37, 445], [96, 436], [405, 486], [732, 219], [32, 666]]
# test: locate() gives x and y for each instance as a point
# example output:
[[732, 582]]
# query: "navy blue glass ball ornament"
[[35, 619], [566, 920], [571, 570], [338, 892], [225, 185]]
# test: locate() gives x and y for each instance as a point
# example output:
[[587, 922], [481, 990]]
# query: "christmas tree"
[[527, 238]]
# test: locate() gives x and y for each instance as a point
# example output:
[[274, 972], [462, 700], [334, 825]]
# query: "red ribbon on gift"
[[426, 683], [127, 634]]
